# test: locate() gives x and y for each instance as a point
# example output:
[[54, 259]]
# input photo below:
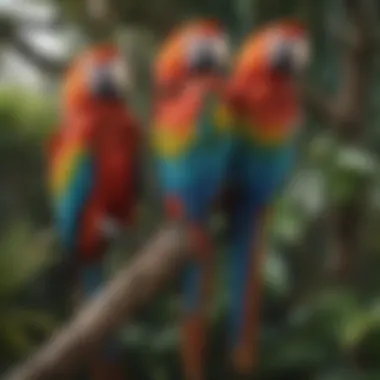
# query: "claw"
[[110, 228]]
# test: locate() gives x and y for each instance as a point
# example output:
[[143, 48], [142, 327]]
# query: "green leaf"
[[356, 160], [276, 274], [288, 223], [322, 317], [16, 325], [321, 148], [359, 325], [308, 191]]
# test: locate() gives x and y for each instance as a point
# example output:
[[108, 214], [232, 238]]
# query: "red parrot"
[[93, 168], [268, 114], [192, 143]]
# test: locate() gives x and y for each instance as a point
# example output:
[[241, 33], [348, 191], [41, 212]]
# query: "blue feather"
[[258, 173], [72, 204]]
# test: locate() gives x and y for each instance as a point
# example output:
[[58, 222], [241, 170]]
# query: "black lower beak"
[[106, 90], [104, 87], [205, 63], [283, 62]]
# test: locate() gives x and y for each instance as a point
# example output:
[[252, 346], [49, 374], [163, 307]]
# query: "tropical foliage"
[[315, 325]]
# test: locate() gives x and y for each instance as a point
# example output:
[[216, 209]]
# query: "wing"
[[71, 179], [134, 149], [194, 174], [173, 130], [137, 137]]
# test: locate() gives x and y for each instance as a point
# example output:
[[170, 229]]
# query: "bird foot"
[[110, 228]]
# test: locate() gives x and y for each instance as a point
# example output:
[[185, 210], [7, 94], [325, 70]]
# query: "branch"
[[347, 109], [133, 287], [45, 64], [352, 99], [10, 26], [351, 108]]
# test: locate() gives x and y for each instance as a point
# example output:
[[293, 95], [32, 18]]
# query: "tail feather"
[[197, 296], [92, 278], [243, 234], [248, 239]]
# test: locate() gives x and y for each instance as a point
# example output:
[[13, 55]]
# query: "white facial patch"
[[298, 47], [221, 47], [273, 42], [116, 70], [301, 51]]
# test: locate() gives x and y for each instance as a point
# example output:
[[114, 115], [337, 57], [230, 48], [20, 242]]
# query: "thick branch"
[[133, 287]]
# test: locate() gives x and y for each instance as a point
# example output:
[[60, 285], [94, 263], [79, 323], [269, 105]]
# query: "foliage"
[[311, 329], [25, 121], [24, 257]]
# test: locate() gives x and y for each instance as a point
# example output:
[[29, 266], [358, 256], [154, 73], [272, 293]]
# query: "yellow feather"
[[223, 118], [64, 167], [169, 143]]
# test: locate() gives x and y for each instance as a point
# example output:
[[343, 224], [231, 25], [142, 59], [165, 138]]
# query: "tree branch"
[[133, 287], [43, 63], [352, 98], [351, 109], [347, 109]]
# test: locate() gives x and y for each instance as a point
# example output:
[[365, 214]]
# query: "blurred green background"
[[321, 313]]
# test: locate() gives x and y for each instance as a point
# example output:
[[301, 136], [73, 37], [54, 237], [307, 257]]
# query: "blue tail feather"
[[192, 288], [245, 228], [92, 278]]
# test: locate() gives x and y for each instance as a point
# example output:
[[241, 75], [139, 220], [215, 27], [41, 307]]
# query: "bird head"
[[99, 74], [269, 59], [196, 49], [280, 47]]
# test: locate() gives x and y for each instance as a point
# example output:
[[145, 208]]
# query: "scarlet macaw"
[[93, 161], [192, 143], [268, 115]]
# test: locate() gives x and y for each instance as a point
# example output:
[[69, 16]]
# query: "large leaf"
[[358, 326], [23, 256]]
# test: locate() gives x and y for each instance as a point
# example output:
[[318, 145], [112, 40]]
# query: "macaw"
[[268, 113], [93, 165], [191, 138]]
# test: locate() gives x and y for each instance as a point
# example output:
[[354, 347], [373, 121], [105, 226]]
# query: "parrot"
[[192, 140], [93, 169], [268, 114]]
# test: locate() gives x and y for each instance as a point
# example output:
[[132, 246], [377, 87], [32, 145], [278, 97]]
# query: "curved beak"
[[291, 58], [108, 81], [209, 56]]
